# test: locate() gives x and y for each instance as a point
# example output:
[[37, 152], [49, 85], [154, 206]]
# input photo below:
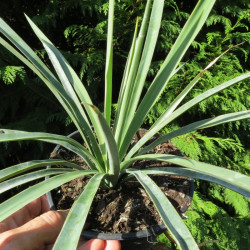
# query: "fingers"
[[42, 231], [97, 244], [25, 214], [35, 234], [3, 227], [38, 206], [112, 245], [94, 244]]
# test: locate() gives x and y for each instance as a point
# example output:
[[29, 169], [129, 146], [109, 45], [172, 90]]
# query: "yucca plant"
[[107, 150]]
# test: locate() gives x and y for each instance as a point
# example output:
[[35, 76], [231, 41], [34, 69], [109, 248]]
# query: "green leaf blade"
[[20, 200], [31, 165], [169, 215], [69, 143], [231, 179], [22, 179], [140, 65], [109, 64], [113, 156], [72, 228], [73, 87], [189, 32], [206, 123]]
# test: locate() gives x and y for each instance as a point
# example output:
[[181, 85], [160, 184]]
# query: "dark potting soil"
[[128, 207]]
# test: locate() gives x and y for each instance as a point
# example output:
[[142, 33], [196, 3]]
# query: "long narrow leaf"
[[169, 215], [109, 64], [25, 166], [189, 32], [187, 89], [69, 80], [210, 122], [146, 58], [36, 65], [27, 51], [175, 103], [124, 85], [194, 174], [131, 84], [203, 96], [20, 200], [72, 145], [236, 181], [22, 179], [113, 156], [163, 122], [72, 228]]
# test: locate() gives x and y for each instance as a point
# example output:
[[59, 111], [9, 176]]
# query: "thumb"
[[35, 234]]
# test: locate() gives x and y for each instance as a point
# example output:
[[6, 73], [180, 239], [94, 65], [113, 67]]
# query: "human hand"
[[36, 227]]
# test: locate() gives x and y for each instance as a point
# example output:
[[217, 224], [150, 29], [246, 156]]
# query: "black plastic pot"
[[142, 240]]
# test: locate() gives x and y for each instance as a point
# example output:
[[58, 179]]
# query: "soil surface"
[[128, 207]]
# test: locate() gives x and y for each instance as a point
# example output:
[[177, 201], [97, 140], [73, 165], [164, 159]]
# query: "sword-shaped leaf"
[[206, 123], [31, 165], [21, 199], [38, 67], [138, 72], [231, 179], [184, 40], [72, 228], [109, 64], [72, 85], [72, 145], [169, 215], [22, 179], [113, 156]]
